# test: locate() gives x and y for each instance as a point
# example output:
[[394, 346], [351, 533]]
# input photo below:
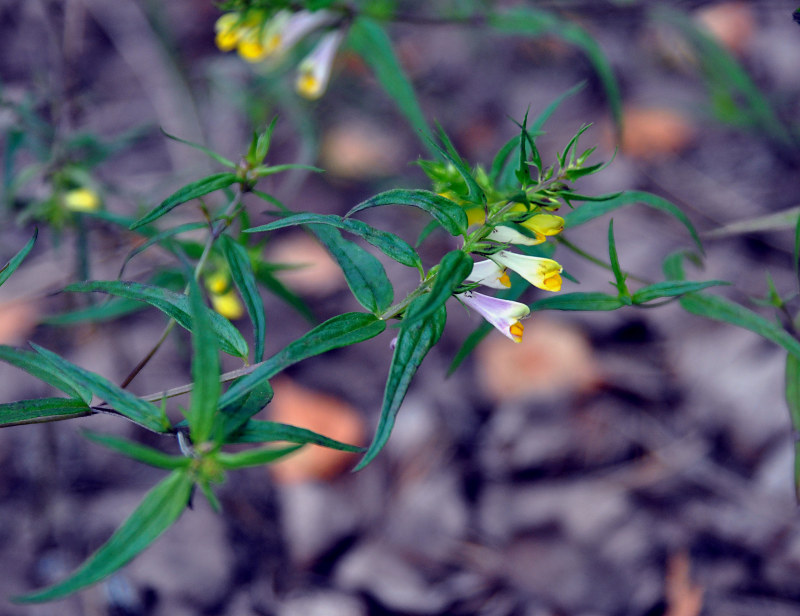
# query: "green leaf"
[[578, 301], [388, 243], [369, 40], [205, 369], [454, 267], [672, 288], [245, 280], [161, 507], [364, 273], [793, 402], [159, 238], [721, 309], [237, 414], [593, 210], [619, 277], [785, 219], [534, 22], [254, 457], [211, 153], [174, 305], [413, 344], [41, 410], [796, 251], [256, 431], [263, 273], [339, 331], [10, 267], [139, 452], [123, 402], [447, 213], [191, 191], [37, 366], [474, 192]]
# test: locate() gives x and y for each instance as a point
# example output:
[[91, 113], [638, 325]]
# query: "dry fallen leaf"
[[552, 357], [731, 23], [315, 273], [330, 416], [651, 133], [358, 150]]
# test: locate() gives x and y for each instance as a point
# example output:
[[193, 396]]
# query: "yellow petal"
[[228, 305], [82, 200]]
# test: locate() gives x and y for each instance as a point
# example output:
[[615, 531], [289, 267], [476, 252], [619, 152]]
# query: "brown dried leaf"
[[651, 133]]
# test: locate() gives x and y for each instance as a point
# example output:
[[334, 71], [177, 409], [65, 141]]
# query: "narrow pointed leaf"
[[388, 243], [672, 288], [139, 452], [37, 366], [447, 213], [578, 301], [256, 431], [619, 277], [162, 238], [122, 401], [793, 402], [363, 272], [339, 331], [448, 152], [413, 344], [453, 269], [238, 413], [10, 267], [210, 153], [245, 280], [174, 305], [41, 410], [254, 457], [205, 369], [191, 191]]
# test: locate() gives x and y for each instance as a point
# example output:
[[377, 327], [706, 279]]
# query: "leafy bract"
[[174, 305], [446, 212], [160, 508]]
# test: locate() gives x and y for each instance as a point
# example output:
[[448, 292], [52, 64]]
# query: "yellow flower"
[[228, 305], [314, 71], [540, 272], [544, 225], [228, 32], [81, 200], [218, 283]]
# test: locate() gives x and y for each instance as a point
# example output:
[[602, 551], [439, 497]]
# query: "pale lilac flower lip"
[[489, 274], [503, 314], [314, 71], [507, 235]]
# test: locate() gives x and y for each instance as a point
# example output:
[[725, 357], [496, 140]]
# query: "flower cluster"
[[256, 36]]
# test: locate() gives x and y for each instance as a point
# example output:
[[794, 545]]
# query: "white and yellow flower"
[[540, 272], [489, 274], [544, 225], [509, 235], [314, 71], [503, 314]]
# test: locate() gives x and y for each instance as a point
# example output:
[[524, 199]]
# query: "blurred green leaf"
[[447, 213], [10, 267], [256, 431], [793, 402], [37, 366], [364, 273], [160, 238], [41, 410], [245, 280], [590, 211], [787, 219], [413, 344], [161, 507], [448, 152], [578, 301], [191, 191], [454, 267], [619, 276], [254, 457], [123, 402], [672, 288], [339, 331], [174, 305], [205, 369], [211, 153], [369, 40], [238, 413], [388, 243], [139, 452]]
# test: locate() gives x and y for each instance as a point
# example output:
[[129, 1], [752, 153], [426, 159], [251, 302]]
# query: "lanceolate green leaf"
[[364, 273], [793, 402], [413, 344], [388, 243], [245, 280], [37, 366], [672, 288], [160, 508], [10, 267], [447, 213], [254, 457], [339, 331], [187, 193], [175, 305], [453, 269], [592, 210], [721, 309], [235, 415], [161, 238], [41, 410], [578, 301], [371, 42], [205, 369], [210, 153], [141, 453], [122, 401], [256, 431]]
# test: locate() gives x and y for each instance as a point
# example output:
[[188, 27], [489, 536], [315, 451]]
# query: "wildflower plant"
[[502, 223]]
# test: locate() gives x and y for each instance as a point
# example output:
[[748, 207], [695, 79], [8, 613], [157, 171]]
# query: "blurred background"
[[637, 462]]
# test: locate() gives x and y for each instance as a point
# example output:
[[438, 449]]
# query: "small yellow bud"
[[228, 305], [81, 200]]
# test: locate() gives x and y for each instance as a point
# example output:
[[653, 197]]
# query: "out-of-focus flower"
[[544, 225], [489, 274], [314, 71], [223, 297], [540, 272], [295, 28], [503, 314], [81, 200], [228, 32]]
